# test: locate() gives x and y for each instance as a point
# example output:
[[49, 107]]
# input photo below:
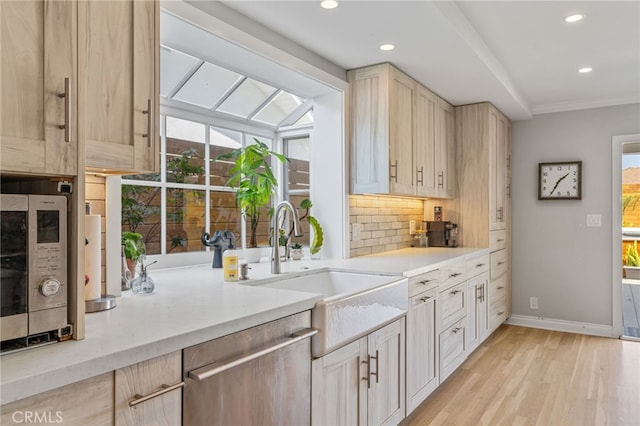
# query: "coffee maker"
[[442, 233]]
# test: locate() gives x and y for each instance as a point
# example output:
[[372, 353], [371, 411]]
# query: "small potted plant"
[[296, 251], [133, 248], [632, 262], [255, 183]]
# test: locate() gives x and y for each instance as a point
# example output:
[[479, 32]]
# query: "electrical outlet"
[[356, 229], [533, 303], [412, 227]]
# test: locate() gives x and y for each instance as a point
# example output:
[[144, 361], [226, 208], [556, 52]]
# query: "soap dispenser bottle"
[[230, 263]]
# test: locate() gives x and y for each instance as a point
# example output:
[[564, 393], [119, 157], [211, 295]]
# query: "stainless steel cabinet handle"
[[149, 113], [499, 314], [67, 110], [441, 179], [394, 176], [479, 265], [455, 330], [499, 214], [499, 288], [421, 173], [483, 291], [368, 376], [454, 292], [455, 274], [500, 263], [377, 357], [425, 282], [509, 191], [479, 293], [215, 368], [425, 299], [139, 399], [500, 240]]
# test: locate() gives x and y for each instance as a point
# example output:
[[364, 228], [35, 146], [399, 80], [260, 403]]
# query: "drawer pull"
[[500, 240], [215, 368], [393, 176], [455, 330], [425, 282], [454, 292], [500, 288], [455, 274], [500, 263], [149, 113], [139, 399], [500, 314], [479, 265], [425, 299]]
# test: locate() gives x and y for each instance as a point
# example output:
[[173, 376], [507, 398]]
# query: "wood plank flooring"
[[526, 376]]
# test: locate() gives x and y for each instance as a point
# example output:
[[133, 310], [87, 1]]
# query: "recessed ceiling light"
[[329, 4], [585, 70], [387, 46], [574, 18]]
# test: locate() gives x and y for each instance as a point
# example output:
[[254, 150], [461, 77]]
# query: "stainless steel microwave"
[[33, 270]]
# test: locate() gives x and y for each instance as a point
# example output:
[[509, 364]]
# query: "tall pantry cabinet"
[[483, 135]]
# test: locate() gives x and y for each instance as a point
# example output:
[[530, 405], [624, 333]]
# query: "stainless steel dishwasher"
[[258, 376]]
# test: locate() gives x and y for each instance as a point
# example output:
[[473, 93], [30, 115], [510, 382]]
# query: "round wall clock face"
[[560, 180]]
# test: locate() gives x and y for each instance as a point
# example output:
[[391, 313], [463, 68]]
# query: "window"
[[173, 208], [297, 183]]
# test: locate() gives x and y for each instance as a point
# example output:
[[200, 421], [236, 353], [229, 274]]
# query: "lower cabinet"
[[88, 402], [478, 314], [150, 392], [497, 302], [362, 383], [422, 371]]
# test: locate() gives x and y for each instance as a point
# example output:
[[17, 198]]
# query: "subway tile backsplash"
[[384, 222]]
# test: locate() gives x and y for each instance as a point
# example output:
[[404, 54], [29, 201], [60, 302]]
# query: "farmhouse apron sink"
[[353, 304]]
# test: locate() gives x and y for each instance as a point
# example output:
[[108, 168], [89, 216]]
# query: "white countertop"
[[189, 306]]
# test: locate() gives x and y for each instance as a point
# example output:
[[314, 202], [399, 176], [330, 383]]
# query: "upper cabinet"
[[79, 71], [402, 140], [38, 44], [119, 84]]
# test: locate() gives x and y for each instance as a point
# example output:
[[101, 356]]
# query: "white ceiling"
[[520, 55]]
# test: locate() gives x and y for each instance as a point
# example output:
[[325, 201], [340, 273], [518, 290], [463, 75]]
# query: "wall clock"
[[560, 180]]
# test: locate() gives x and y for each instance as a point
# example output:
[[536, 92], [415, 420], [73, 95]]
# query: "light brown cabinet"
[[484, 147], [402, 135], [38, 87], [363, 382], [89, 402], [119, 84], [150, 392], [422, 356]]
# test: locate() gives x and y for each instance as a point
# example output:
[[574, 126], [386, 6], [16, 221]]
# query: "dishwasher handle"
[[215, 368]]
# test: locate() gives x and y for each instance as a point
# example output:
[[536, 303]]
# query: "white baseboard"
[[562, 325]]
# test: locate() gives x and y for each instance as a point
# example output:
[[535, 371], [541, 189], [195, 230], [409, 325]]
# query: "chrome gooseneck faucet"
[[275, 252]]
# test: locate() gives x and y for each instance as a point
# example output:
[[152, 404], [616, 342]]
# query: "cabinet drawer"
[[497, 289], [452, 348], [498, 263], [452, 304], [477, 265], [452, 273], [423, 282], [497, 313], [497, 240]]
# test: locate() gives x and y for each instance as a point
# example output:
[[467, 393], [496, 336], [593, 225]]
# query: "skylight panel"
[[207, 86], [246, 98], [305, 119], [174, 67], [278, 108]]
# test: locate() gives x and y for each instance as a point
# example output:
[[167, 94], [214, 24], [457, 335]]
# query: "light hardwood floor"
[[525, 376]]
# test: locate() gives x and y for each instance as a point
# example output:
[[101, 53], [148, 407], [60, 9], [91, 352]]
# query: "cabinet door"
[[37, 131], [445, 150], [338, 382], [89, 402], [158, 377], [385, 399], [422, 377], [424, 141], [118, 50], [401, 169], [369, 110], [498, 133], [478, 314]]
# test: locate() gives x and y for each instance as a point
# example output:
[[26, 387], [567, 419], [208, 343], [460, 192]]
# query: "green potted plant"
[[632, 261], [254, 181], [296, 251], [133, 248]]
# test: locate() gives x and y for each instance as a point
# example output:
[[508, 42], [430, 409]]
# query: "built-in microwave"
[[33, 270]]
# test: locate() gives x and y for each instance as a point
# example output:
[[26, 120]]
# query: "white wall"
[[556, 257]]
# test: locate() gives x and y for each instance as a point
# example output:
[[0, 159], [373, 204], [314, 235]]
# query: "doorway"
[[626, 235]]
